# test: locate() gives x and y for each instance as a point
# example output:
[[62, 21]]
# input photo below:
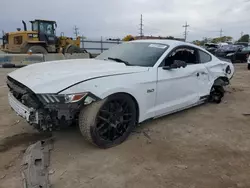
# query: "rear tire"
[[248, 66], [216, 94], [37, 50], [108, 122]]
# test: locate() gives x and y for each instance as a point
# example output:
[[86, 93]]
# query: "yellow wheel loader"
[[40, 39]]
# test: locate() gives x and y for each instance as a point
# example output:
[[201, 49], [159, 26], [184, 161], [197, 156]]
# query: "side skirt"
[[202, 101]]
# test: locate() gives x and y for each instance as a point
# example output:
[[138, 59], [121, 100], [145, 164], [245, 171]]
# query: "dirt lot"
[[204, 147]]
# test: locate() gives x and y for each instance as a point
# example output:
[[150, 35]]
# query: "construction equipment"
[[40, 39]]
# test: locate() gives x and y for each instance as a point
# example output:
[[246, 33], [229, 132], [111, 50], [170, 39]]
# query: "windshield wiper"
[[118, 60]]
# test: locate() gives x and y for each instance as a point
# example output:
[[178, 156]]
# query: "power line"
[[141, 27], [185, 32], [76, 32]]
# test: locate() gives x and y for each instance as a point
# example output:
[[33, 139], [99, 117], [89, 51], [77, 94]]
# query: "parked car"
[[248, 63], [239, 56], [125, 85], [223, 51], [245, 44], [211, 47]]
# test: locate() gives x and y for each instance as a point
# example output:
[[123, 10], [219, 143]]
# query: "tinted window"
[[246, 49], [136, 53], [204, 57]]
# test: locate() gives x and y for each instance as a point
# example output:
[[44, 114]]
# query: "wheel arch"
[[134, 100], [26, 45], [221, 81]]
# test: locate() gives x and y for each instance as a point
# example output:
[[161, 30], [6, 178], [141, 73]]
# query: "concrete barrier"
[[77, 56], [53, 57], [21, 59]]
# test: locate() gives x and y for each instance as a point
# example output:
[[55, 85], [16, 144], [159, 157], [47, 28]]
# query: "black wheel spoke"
[[103, 132], [124, 106], [101, 127], [126, 121], [104, 119], [107, 112], [114, 133], [114, 119], [127, 114]]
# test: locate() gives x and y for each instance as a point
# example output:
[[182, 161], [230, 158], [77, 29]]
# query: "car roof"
[[171, 43]]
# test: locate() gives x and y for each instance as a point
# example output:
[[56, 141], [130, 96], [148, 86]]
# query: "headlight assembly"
[[86, 97], [71, 98]]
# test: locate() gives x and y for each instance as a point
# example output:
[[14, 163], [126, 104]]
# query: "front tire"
[[248, 66], [108, 122]]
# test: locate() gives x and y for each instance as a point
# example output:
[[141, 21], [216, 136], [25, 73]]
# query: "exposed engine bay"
[[42, 114]]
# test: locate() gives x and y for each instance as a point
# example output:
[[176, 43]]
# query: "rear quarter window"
[[204, 57]]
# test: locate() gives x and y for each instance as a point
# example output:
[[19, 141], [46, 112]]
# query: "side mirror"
[[175, 65]]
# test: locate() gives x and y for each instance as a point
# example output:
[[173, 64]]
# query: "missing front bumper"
[[52, 117], [21, 109]]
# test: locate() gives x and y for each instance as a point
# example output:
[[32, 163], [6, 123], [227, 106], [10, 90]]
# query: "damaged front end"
[[46, 112]]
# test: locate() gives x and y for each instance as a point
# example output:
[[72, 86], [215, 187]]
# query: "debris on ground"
[[246, 114], [146, 135], [17, 121], [51, 172], [21, 139], [183, 167], [34, 168]]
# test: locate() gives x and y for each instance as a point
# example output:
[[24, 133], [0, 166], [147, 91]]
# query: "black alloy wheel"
[[113, 119], [108, 122]]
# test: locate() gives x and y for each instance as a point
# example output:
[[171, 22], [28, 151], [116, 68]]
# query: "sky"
[[118, 18]]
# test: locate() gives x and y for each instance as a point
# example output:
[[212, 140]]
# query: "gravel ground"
[[203, 147]]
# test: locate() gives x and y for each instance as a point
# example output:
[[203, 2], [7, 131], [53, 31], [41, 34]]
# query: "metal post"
[[82, 41], [101, 45]]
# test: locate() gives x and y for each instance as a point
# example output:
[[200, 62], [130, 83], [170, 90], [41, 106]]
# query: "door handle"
[[203, 73], [197, 74]]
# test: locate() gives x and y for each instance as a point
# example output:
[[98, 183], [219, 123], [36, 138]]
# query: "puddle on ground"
[[22, 139]]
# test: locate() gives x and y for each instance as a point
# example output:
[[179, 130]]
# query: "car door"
[[180, 88], [204, 81]]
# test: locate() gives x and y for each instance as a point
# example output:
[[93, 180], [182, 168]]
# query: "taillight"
[[228, 70]]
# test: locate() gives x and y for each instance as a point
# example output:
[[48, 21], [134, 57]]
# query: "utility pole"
[[76, 32], [241, 34], [221, 31], [185, 32], [141, 28]]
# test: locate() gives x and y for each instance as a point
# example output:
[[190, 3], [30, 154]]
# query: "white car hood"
[[54, 76]]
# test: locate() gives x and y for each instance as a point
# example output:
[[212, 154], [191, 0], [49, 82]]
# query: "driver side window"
[[188, 55]]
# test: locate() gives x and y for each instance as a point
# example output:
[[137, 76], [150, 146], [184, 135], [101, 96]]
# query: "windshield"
[[46, 28], [246, 49], [135, 53]]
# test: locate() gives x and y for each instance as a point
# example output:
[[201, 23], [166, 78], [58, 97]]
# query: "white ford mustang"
[[126, 85]]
